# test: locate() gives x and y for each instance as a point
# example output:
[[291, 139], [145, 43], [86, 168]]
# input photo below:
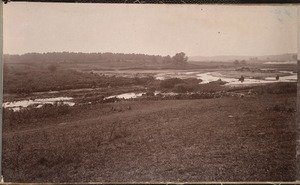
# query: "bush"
[[170, 83], [210, 87], [181, 85], [219, 82], [29, 114], [180, 88], [193, 81], [278, 88], [184, 88], [150, 93]]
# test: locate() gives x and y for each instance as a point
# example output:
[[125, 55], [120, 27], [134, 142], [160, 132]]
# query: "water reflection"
[[37, 103], [214, 76]]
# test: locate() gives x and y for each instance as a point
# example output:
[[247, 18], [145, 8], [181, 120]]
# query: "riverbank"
[[164, 90]]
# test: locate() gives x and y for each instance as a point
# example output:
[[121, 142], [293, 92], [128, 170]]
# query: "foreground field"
[[227, 139], [298, 131]]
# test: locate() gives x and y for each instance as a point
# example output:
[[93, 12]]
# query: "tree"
[[180, 58], [236, 62], [243, 62], [242, 79], [167, 59]]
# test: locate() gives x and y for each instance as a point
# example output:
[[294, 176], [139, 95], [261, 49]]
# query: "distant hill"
[[282, 57]]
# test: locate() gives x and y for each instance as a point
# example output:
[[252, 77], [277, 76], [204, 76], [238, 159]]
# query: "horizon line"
[[293, 53]]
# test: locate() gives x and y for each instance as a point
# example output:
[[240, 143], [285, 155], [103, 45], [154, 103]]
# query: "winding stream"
[[214, 76], [205, 77]]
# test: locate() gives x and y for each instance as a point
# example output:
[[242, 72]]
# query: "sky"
[[197, 30]]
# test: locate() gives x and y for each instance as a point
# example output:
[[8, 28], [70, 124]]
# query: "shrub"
[[170, 83], [219, 82], [278, 88], [193, 81], [28, 115], [150, 93], [180, 88], [183, 88], [210, 87]]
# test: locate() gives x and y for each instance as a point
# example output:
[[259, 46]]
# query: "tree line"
[[78, 57]]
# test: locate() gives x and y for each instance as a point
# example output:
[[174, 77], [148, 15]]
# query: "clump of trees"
[[180, 58]]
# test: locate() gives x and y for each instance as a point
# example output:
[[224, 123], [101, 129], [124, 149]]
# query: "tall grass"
[[277, 88], [28, 115]]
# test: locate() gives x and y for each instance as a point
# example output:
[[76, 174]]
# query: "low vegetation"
[[27, 79], [278, 88], [15, 119]]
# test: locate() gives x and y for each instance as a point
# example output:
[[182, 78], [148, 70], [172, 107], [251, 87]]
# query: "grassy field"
[[226, 139], [298, 132], [21, 79]]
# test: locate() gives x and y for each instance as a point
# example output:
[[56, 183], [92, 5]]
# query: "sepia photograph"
[[149, 93]]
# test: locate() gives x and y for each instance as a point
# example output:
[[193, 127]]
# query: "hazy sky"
[[150, 29]]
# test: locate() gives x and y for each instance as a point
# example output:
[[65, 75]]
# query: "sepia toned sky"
[[150, 29]]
